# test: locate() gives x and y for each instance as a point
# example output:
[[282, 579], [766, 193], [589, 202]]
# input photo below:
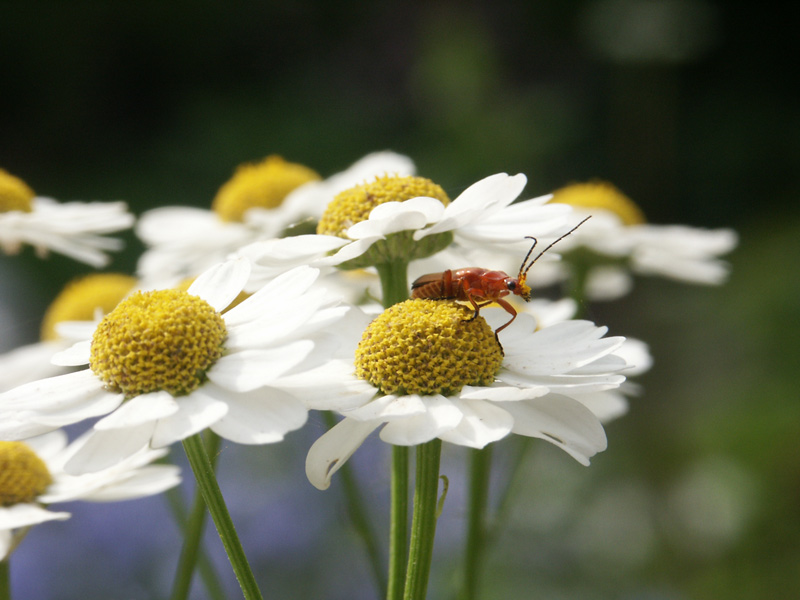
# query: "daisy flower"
[[437, 374], [412, 218], [82, 299], [32, 476], [74, 229], [617, 241], [165, 364], [261, 201]]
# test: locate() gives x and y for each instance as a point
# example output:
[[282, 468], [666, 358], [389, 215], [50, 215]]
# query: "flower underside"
[[427, 347], [23, 475], [160, 340]]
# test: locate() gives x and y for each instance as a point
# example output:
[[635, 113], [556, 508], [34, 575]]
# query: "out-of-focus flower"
[[261, 201], [617, 241], [74, 229], [32, 476]]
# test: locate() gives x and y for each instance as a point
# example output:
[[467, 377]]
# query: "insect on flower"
[[481, 287]]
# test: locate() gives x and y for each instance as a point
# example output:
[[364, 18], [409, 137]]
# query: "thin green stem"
[[480, 469], [193, 528], [5, 580], [398, 523], [423, 524], [394, 282], [207, 483], [394, 285], [358, 516]]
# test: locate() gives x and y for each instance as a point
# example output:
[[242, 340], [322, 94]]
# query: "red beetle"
[[481, 287]]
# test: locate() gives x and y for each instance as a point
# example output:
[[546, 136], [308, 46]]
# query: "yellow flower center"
[[161, 340], [427, 347], [354, 205], [259, 185], [14, 193], [602, 195], [81, 297], [23, 475]]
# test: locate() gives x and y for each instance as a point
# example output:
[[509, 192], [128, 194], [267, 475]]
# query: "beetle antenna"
[[523, 270]]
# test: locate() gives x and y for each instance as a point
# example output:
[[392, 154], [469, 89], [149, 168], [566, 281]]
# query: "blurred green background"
[[687, 105]]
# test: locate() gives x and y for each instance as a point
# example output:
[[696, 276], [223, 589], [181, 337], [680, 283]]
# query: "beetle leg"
[[510, 310]]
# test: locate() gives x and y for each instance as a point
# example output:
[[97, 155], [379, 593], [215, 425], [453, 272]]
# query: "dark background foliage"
[[686, 105]]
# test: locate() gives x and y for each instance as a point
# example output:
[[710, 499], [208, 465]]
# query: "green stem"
[[5, 579], [423, 524], [394, 285], [480, 468], [358, 516], [207, 483], [193, 528], [398, 524], [394, 282]]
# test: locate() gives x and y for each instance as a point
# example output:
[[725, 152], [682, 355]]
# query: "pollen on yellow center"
[[23, 475], [14, 194], [354, 205], [427, 347], [259, 185], [602, 195], [81, 297], [160, 340]]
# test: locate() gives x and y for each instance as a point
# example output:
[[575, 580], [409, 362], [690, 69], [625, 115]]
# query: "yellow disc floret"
[[354, 205], [14, 193], [23, 475], [81, 297], [161, 340], [427, 347], [601, 195], [259, 185]]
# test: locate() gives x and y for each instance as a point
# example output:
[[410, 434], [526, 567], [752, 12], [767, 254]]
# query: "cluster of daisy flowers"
[[291, 294]]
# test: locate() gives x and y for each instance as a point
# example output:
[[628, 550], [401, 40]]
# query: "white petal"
[[248, 370], [104, 449], [482, 423], [274, 257], [500, 189], [196, 412], [391, 217], [559, 348], [390, 407], [498, 392], [161, 225], [145, 481], [139, 410], [561, 421], [279, 319], [331, 386], [48, 445], [289, 285], [606, 406], [24, 515], [331, 451], [261, 417], [441, 415], [74, 356], [220, 284], [350, 251]]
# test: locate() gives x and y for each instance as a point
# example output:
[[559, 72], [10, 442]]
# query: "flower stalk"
[[480, 470], [394, 285], [209, 488], [423, 524], [193, 528]]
